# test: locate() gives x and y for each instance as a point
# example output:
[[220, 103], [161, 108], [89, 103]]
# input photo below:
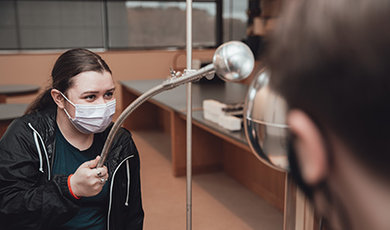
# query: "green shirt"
[[93, 210]]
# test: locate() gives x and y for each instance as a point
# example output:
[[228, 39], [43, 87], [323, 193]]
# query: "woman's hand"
[[88, 180]]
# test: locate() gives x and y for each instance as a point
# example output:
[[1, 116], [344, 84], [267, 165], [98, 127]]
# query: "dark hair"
[[331, 59], [68, 65]]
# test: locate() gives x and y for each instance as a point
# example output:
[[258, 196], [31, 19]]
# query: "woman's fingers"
[[88, 181], [102, 174], [101, 171], [103, 180], [93, 163], [90, 164]]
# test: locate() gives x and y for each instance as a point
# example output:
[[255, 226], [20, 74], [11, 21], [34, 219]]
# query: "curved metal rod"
[[166, 85]]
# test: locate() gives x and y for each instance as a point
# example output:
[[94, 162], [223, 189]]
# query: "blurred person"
[[330, 59], [48, 157]]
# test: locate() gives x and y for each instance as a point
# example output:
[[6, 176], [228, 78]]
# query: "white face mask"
[[91, 118]]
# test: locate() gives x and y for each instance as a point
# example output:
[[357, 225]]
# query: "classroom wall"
[[35, 68]]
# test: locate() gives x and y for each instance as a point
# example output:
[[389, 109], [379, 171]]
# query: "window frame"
[[219, 25]]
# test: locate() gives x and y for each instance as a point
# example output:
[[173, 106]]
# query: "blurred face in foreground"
[[330, 60]]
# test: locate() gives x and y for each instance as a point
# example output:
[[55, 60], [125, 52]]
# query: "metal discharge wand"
[[232, 61]]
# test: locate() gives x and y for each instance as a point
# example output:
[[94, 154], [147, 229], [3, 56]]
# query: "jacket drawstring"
[[36, 135], [39, 152], [112, 186], [128, 183]]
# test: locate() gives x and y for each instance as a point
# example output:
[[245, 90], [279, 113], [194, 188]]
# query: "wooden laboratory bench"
[[9, 90], [9, 112], [213, 147]]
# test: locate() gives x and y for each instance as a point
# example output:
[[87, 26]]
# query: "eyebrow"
[[94, 92]]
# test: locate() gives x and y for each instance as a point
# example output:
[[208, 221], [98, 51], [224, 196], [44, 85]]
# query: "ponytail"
[[42, 102]]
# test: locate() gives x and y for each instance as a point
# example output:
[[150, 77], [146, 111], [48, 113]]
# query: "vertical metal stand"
[[298, 212], [189, 115], [289, 215], [106, 42]]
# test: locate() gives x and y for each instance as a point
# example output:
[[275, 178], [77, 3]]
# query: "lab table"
[[9, 112], [213, 147], [16, 90]]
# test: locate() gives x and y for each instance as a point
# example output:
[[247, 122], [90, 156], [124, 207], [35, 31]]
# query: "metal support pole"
[[189, 115], [106, 42], [289, 214]]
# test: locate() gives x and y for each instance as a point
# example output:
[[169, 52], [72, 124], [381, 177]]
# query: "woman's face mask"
[[91, 118]]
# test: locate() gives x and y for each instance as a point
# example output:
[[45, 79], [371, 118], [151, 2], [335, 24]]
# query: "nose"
[[100, 100]]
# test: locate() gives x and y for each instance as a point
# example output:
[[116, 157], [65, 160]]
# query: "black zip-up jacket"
[[32, 198]]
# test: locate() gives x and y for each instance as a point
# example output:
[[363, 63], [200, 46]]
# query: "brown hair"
[[68, 65], [330, 58]]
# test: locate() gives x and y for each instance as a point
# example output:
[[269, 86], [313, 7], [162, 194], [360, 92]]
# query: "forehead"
[[92, 81]]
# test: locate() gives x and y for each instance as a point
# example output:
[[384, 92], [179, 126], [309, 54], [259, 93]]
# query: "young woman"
[[48, 158]]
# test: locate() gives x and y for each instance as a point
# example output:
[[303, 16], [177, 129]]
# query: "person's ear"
[[58, 98], [309, 147]]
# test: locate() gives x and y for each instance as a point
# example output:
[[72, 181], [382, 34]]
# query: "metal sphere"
[[233, 61], [265, 123]]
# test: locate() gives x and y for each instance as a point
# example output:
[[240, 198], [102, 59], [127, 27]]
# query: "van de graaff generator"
[[232, 61]]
